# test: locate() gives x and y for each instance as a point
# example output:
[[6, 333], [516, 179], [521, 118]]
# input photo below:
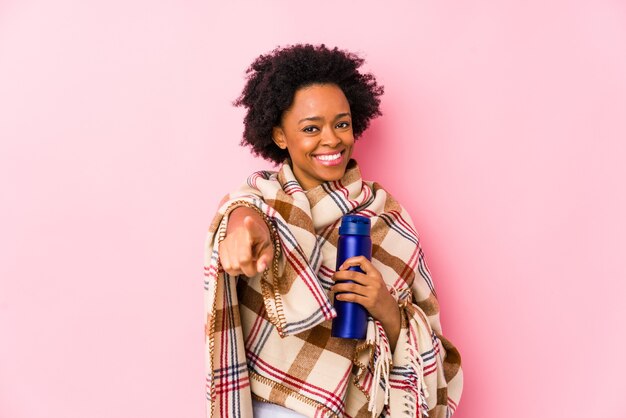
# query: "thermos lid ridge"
[[354, 225]]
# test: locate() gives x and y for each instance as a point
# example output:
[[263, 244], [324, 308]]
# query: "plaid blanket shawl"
[[268, 336]]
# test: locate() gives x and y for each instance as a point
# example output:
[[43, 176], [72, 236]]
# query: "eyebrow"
[[318, 118]]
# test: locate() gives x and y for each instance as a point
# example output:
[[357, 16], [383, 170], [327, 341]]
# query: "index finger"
[[255, 231], [360, 261]]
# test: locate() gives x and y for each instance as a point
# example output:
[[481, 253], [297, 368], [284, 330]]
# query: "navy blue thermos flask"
[[354, 240]]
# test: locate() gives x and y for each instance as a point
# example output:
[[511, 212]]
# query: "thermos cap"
[[354, 225]]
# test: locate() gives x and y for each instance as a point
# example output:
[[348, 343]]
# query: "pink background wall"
[[504, 135]]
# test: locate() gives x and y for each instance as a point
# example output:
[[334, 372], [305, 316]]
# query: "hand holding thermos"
[[354, 240], [360, 289]]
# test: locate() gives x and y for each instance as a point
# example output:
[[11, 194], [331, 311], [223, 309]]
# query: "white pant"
[[270, 410]]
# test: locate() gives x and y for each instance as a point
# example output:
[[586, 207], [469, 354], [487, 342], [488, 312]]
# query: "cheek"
[[307, 145]]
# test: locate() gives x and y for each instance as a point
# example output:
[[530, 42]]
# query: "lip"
[[332, 163]]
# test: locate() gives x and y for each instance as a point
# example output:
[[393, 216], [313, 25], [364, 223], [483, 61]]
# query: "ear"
[[278, 135]]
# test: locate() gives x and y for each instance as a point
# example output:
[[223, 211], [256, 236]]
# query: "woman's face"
[[317, 132]]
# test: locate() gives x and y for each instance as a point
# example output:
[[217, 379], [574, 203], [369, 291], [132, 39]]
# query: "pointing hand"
[[247, 248]]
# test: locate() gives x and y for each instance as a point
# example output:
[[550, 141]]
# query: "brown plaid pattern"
[[269, 336]]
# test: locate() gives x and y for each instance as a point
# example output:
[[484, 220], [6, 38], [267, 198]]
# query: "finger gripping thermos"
[[354, 240]]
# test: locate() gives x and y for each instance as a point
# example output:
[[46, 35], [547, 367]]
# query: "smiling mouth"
[[330, 160], [328, 157]]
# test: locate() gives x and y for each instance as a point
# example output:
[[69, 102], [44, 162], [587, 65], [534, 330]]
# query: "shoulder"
[[255, 178], [256, 186], [383, 195]]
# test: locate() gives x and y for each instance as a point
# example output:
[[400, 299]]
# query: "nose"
[[330, 137]]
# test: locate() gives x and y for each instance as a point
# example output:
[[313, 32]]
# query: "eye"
[[310, 129], [343, 125]]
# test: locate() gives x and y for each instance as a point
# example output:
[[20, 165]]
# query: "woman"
[[270, 262]]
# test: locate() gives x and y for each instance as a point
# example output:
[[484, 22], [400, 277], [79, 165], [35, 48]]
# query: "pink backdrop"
[[503, 135]]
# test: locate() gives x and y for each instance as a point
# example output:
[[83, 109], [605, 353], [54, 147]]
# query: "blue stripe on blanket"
[[391, 222], [236, 372], [304, 324], [423, 270], [337, 198], [260, 342]]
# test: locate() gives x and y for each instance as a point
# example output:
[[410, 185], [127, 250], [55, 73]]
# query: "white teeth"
[[328, 157]]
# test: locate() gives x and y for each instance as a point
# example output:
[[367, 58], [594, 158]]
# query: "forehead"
[[319, 99]]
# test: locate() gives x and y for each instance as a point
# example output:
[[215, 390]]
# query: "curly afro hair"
[[272, 81]]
